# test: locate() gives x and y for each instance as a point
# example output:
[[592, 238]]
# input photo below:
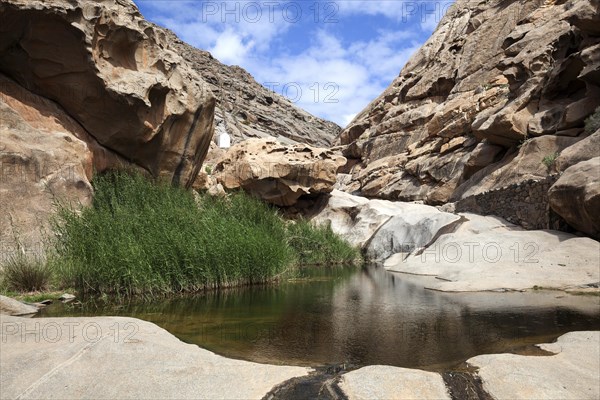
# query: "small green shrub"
[[208, 169], [550, 159], [592, 123], [26, 273]]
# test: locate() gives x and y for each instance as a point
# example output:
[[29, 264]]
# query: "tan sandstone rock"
[[14, 307], [487, 253], [42, 161], [277, 173], [117, 76], [570, 371], [385, 382]]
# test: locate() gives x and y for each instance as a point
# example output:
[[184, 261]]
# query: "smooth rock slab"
[[124, 358], [573, 373], [487, 253], [385, 382], [10, 306]]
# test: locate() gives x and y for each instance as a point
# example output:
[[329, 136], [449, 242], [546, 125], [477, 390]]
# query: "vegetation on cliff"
[[139, 237]]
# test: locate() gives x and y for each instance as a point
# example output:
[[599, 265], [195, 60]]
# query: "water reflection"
[[362, 317]]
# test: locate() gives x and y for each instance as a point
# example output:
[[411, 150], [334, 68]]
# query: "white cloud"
[[337, 77], [334, 81], [398, 9], [231, 47]]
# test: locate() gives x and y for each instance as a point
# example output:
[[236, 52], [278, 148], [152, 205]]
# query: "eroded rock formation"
[[116, 75], [492, 99], [466, 252], [277, 173], [89, 86]]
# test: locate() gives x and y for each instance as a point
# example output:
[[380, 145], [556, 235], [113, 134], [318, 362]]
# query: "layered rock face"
[[245, 109], [276, 173], [501, 86], [117, 76]]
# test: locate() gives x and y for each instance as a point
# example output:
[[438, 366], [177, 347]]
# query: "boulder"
[[9, 306], [581, 151], [576, 196], [487, 253], [383, 227], [355, 218], [414, 227], [43, 160], [276, 173], [117, 75], [535, 159]]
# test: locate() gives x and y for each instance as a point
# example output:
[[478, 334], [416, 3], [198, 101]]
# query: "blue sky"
[[329, 57]]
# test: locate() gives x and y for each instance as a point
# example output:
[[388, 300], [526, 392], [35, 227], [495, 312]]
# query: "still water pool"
[[358, 316]]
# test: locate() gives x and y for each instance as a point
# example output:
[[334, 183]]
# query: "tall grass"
[[25, 273], [140, 237], [319, 245]]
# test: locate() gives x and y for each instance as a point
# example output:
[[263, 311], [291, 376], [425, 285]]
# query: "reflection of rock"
[[276, 173], [117, 76], [576, 196], [384, 382], [43, 159], [122, 358], [10, 306], [573, 372], [486, 253], [494, 73]]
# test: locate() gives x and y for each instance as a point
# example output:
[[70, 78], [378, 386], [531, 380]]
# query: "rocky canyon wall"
[[494, 97]]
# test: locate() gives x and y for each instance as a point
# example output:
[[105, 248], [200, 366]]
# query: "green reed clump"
[[319, 245], [140, 237], [144, 238]]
